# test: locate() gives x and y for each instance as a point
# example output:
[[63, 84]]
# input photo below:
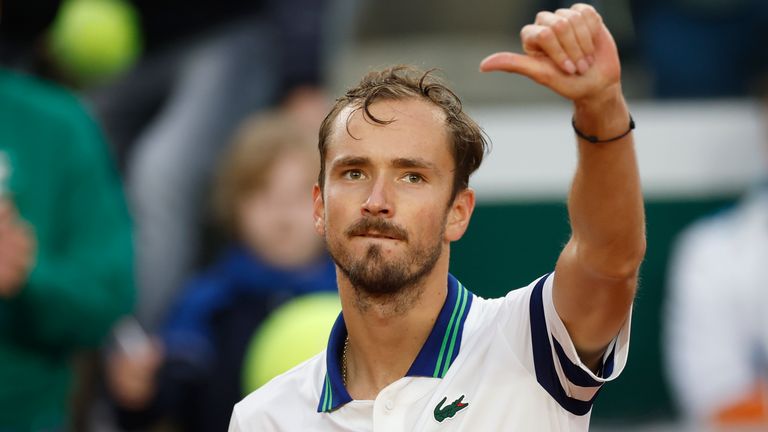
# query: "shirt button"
[[389, 405]]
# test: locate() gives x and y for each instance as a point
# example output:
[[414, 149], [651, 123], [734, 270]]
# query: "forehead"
[[418, 129]]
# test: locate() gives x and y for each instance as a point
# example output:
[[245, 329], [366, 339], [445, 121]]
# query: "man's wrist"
[[603, 115]]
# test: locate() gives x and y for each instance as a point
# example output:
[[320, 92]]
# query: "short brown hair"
[[258, 142], [468, 140]]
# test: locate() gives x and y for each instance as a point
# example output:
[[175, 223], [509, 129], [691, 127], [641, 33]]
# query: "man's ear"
[[459, 214], [318, 209]]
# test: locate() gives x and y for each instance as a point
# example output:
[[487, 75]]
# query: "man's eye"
[[413, 178], [353, 175]]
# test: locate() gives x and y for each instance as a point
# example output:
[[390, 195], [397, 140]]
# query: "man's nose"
[[378, 202]]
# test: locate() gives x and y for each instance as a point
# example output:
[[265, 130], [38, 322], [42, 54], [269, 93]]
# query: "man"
[[412, 352]]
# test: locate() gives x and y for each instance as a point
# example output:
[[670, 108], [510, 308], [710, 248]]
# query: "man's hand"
[[17, 250], [570, 51]]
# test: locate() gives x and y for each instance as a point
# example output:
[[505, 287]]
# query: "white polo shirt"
[[487, 365]]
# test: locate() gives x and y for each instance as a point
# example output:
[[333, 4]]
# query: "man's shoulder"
[[489, 313], [515, 297], [287, 395]]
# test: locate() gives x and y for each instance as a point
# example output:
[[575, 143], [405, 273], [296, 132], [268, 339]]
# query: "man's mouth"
[[374, 234]]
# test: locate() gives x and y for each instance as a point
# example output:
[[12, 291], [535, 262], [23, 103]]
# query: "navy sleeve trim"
[[574, 373], [546, 374], [607, 368]]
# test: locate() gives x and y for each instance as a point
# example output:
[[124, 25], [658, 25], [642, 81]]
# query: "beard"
[[375, 276]]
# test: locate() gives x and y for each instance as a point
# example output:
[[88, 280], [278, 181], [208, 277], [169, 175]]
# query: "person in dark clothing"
[[66, 255]]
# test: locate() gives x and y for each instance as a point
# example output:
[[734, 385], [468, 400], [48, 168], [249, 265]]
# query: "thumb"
[[522, 64]]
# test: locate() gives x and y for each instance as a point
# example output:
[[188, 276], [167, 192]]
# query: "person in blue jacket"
[[262, 198]]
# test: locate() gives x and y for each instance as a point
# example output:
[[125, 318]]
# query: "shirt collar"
[[435, 358]]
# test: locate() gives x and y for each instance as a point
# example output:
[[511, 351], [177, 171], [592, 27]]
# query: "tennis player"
[[414, 349]]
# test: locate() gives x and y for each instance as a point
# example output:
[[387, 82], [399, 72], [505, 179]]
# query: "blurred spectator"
[[241, 57], [263, 201], [65, 248], [717, 318], [702, 48]]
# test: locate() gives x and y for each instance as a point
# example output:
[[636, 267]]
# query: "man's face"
[[385, 211]]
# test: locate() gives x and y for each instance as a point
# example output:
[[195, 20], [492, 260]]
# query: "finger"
[[538, 38], [580, 29], [590, 16], [566, 36], [528, 41], [539, 69]]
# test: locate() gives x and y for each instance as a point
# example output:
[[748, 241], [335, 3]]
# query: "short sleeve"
[[550, 353]]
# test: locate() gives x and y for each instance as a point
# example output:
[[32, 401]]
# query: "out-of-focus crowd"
[[156, 209]]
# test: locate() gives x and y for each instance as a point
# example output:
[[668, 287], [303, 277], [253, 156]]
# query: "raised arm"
[[572, 52]]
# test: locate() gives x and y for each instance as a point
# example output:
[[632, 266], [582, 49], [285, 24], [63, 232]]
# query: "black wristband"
[[595, 140]]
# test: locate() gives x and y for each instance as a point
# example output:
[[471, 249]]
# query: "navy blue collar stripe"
[[452, 334], [439, 362], [434, 360], [333, 385]]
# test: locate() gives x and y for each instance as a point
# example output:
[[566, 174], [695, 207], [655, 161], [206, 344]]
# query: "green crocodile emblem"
[[442, 413]]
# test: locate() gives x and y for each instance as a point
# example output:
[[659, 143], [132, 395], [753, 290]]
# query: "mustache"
[[380, 226]]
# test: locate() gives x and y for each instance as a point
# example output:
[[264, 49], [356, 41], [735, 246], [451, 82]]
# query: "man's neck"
[[386, 336]]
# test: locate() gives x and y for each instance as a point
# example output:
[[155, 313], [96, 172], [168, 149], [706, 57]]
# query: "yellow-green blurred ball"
[[93, 40], [291, 334]]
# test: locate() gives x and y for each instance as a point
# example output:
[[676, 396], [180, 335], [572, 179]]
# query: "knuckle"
[[541, 16], [524, 34], [561, 25], [576, 16], [545, 34], [526, 31], [586, 11], [583, 7]]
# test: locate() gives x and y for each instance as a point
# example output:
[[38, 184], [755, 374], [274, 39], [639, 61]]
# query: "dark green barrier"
[[509, 245]]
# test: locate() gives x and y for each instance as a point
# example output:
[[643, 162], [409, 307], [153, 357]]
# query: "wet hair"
[[468, 141]]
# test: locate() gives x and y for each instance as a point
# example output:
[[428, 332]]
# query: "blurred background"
[[155, 256]]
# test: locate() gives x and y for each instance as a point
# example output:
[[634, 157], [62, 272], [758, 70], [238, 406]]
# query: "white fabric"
[[717, 309], [494, 371]]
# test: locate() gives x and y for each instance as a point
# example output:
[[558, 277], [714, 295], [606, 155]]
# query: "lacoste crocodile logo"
[[442, 413]]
